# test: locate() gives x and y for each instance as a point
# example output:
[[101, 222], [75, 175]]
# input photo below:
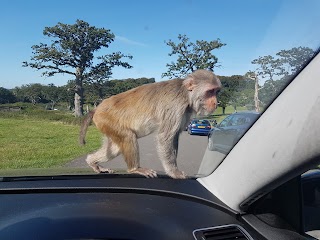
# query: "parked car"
[[224, 136], [199, 126]]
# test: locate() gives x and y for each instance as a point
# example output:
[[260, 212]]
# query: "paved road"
[[191, 151]]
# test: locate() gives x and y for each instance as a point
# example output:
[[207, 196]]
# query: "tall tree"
[[276, 71], [72, 51], [269, 67], [254, 76], [191, 56]]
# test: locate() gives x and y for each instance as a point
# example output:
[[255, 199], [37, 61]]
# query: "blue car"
[[199, 127]]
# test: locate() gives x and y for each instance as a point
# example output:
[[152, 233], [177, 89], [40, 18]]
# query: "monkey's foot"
[[105, 170], [99, 169], [149, 173], [177, 174]]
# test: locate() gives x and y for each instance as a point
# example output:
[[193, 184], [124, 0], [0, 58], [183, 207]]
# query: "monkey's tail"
[[84, 127]]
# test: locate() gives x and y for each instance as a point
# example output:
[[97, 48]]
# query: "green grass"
[[28, 143], [229, 110], [44, 171], [38, 112]]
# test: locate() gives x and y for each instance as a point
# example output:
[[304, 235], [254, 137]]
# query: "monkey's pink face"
[[211, 100]]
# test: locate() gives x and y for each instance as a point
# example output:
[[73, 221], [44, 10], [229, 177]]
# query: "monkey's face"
[[204, 99], [203, 87], [210, 100]]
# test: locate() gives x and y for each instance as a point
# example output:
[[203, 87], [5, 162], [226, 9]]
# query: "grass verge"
[[27, 143]]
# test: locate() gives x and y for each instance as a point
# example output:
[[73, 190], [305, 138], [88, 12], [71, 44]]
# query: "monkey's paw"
[[105, 170], [149, 173], [177, 174]]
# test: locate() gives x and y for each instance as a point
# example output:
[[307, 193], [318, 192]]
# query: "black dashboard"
[[115, 207], [107, 208]]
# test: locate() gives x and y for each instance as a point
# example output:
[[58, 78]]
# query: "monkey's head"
[[203, 87]]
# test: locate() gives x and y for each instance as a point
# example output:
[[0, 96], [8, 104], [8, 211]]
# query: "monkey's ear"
[[189, 83]]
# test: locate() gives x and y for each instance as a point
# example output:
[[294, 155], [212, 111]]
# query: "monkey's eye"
[[212, 92]]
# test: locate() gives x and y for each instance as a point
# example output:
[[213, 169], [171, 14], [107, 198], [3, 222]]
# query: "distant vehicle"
[[226, 134], [199, 127]]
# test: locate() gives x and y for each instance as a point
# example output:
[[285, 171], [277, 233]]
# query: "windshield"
[[122, 75]]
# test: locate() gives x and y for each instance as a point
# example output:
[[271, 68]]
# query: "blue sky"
[[249, 28]]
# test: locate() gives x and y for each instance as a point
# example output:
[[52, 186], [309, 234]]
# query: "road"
[[191, 151]]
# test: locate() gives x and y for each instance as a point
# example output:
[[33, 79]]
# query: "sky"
[[249, 28]]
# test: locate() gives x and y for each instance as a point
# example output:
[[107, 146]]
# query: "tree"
[[53, 94], [72, 51], [276, 71], [94, 92], [224, 99], [295, 58], [246, 98], [269, 67], [271, 89], [232, 90], [191, 56], [67, 94], [6, 96], [33, 93], [254, 76]]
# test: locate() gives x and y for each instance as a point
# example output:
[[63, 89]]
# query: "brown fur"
[[164, 106]]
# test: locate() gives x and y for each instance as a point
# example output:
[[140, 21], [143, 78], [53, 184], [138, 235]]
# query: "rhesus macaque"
[[163, 106]]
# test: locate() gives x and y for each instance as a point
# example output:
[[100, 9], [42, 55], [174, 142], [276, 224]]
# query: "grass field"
[[26, 143], [218, 113], [37, 138]]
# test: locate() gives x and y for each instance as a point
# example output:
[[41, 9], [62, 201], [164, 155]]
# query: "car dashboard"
[[117, 207]]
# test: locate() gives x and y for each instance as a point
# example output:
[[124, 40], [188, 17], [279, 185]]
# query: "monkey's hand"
[[149, 173], [177, 174]]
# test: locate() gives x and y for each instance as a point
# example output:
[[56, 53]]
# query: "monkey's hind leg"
[[107, 152]]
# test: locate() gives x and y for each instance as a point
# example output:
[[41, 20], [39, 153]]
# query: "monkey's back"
[[141, 109]]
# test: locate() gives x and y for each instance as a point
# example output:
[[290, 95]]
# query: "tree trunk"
[[78, 96], [256, 95], [78, 102], [223, 110], [53, 103]]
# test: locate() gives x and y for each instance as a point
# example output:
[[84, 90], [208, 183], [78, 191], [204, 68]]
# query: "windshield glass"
[[72, 63]]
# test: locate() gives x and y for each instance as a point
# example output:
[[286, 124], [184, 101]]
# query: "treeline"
[[237, 91], [51, 95]]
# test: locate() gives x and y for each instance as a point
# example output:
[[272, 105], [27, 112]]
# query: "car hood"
[[283, 143]]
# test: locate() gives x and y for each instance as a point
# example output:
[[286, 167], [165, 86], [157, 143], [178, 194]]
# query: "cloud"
[[130, 42]]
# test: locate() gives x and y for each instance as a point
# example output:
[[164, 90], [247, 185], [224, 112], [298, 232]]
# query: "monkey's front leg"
[[168, 151]]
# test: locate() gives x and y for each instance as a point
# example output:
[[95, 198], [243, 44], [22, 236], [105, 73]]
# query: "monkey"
[[165, 107]]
